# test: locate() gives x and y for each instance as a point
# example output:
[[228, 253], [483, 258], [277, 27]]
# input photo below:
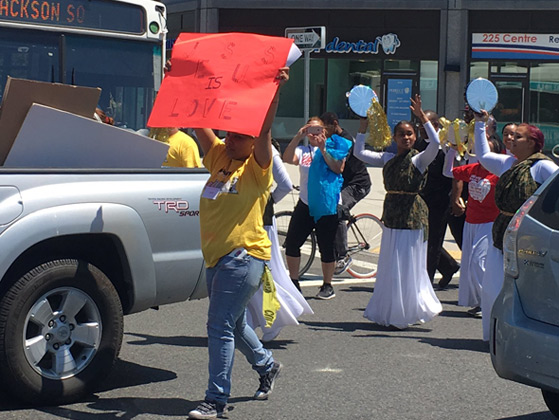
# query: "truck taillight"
[[509, 241]]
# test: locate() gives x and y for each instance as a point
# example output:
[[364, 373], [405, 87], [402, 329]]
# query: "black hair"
[[276, 144], [329, 118], [506, 125], [401, 123], [498, 145]]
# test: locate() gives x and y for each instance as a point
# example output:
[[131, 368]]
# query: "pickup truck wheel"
[[60, 332]]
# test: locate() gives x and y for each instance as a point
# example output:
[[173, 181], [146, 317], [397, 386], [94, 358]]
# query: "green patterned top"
[[403, 207], [514, 187]]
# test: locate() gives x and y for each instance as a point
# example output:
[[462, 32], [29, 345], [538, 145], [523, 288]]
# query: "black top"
[[355, 170], [438, 186]]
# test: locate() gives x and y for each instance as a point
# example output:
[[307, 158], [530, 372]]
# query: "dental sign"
[[515, 46], [89, 14], [388, 43]]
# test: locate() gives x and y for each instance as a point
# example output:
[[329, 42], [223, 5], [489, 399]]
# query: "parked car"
[[524, 342]]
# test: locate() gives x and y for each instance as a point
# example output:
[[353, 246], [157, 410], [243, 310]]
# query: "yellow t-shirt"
[[183, 152], [232, 205]]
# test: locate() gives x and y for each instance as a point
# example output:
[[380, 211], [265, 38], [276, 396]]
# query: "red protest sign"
[[223, 81]]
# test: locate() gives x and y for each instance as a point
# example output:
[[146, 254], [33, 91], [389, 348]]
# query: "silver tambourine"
[[481, 94], [555, 151], [360, 98]]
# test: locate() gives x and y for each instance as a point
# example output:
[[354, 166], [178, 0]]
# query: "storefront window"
[[343, 75], [401, 65], [479, 69], [291, 111], [509, 68], [428, 84], [544, 101], [292, 102]]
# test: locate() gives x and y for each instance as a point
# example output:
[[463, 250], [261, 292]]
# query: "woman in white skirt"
[[520, 175], [403, 293], [292, 302], [481, 211]]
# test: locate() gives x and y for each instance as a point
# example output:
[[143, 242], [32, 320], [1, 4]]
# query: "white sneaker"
[[342, 265]]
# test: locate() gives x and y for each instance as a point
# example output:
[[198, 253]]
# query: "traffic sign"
[[308, 38]]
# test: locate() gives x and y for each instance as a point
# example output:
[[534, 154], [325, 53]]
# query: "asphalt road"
[[337, 365]]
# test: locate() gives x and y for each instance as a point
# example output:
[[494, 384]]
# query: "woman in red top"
[[481, 212]]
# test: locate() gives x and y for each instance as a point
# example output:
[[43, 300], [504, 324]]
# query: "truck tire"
[[61, 330]]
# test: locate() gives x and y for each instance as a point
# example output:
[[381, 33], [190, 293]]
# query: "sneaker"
[[208, 410], [475, 312], [326, 292], [267, 382], [342, 265]]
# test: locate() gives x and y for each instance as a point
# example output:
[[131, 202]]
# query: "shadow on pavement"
[[126, 408], [358, 326], [278, 344], [543, 415], [455, 314], [456, 343], [124, 374], [179, 340], [358, 289]]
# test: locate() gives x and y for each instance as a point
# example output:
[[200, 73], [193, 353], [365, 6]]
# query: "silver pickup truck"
[[78, 250]]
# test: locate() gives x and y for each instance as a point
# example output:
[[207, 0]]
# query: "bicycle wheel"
[[308, 249], [364, 233]]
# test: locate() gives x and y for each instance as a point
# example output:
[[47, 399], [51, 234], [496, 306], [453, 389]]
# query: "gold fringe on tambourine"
[[380, 136], [457, 134], [161, 134], [444, 125]]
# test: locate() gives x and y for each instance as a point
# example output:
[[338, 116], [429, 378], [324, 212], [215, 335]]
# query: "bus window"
[[123, 68], [28, 55]]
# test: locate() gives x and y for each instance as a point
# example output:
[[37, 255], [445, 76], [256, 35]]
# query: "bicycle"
[[364, 233]]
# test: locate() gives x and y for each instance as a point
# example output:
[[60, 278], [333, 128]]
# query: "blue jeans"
[[231, 284]]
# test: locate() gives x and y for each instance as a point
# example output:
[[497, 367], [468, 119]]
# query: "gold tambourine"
[[458, 135], [364, 102]]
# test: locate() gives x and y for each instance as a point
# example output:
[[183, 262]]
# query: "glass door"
[[512, 99], [511, 80]]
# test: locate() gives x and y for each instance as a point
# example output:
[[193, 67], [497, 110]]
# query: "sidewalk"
[[371, 204]]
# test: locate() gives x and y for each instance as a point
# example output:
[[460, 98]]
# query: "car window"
[[546, 208]]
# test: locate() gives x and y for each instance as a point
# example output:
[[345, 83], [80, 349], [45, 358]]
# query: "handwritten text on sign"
[[221, 81]]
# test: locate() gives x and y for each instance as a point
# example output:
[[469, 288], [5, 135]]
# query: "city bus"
[[117, 45]]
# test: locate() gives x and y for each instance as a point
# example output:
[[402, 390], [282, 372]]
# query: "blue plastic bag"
[[324, 185]]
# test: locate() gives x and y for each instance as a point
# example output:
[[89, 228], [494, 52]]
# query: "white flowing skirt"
[[292, 302], [492, 283], [475, 243], [403, 293]]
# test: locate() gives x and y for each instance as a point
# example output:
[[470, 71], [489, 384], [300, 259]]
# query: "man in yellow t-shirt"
[[236, 248], [183, 151]]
